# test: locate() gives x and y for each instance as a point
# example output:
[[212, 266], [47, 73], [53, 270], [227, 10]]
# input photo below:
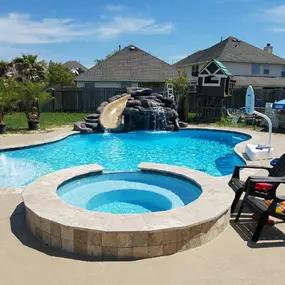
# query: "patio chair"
[[278, 170], [260, 206]]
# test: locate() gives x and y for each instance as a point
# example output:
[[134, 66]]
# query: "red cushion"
[[263, 186]]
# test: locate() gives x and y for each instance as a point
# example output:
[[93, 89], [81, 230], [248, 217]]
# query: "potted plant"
[[33, 96]]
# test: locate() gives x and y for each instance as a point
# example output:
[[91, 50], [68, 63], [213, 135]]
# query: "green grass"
[[191, 116], [17, 122], [227, 122]]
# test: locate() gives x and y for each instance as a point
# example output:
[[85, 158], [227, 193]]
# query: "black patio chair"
[[259, 205], [278, 170]]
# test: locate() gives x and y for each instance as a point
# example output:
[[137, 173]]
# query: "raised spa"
[[152, 227], [129, 192]]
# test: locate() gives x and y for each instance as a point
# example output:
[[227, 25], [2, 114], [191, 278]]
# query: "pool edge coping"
[[41, 198]]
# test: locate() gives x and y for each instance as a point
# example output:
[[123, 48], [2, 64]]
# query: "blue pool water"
[[207, 151], [129, 192]]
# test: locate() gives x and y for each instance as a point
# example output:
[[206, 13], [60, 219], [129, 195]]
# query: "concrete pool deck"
[[230, 259]]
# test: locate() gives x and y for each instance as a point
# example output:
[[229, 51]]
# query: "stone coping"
[[41, 198], [55, 137], [131, 236]]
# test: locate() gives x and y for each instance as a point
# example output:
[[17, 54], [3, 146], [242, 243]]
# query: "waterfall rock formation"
[[144, 111]]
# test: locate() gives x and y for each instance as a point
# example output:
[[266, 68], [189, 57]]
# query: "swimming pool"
[[129, 192], [209, 151]]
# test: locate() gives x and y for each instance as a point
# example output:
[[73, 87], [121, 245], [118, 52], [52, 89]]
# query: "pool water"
[[208, 151], [129, 192]]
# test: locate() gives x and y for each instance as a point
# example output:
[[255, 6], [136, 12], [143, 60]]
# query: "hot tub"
[[159, 211], [129, 192]]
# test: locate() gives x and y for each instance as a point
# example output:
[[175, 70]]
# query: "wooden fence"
[[82, 99], [262, 96], [88, 99]]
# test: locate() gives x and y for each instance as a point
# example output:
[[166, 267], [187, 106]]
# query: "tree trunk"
[[183, 109], [1, 117]]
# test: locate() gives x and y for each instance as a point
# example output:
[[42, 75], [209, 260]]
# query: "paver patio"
[[230, 259]]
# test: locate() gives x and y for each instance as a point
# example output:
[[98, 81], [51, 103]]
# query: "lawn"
[[17, 122]]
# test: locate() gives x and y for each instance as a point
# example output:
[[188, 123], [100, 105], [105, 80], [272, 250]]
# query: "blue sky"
[[86, 30]]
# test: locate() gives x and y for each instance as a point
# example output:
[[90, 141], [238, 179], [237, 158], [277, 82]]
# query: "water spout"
[[106, 132], [8, 169]]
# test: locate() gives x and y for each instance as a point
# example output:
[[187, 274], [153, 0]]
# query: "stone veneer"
[[126, 237]]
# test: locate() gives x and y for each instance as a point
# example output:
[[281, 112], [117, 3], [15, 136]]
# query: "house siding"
[[108, 84], [238, 68], [245, 69], [188, 69], [105, 84]]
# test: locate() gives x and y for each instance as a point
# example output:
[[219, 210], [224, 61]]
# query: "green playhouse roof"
[[222, 67]]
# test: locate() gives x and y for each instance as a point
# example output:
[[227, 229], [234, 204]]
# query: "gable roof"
[[218, 69], [72, 64], [130, 64], [232, 50]]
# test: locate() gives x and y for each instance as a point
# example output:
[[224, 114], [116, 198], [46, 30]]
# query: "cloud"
[[128, 25], [115, 8], [275, 15], [21, 29]]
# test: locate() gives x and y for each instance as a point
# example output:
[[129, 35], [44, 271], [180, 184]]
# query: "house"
[[129, 67], [247, 63], [75, 67]]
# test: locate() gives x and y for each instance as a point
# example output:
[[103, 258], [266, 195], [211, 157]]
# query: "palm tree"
[[28, 68], [33, 95]]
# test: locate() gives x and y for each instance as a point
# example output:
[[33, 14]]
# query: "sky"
[[86, 30]]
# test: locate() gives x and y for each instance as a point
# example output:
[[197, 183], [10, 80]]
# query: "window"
[[283, 71], [266, 69], [195, 70], [255, 68], [211, 80]]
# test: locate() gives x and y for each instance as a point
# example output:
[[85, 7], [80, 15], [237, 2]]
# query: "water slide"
[[111, 118]]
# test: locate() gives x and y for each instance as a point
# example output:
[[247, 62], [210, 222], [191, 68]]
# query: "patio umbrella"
[[280, 105]]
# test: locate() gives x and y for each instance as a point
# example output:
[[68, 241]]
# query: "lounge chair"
[[262, 207], [278, 170]]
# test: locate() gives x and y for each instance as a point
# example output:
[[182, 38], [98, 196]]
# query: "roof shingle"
[[130, 64], [72, 64], [260, 82], [232, 50]]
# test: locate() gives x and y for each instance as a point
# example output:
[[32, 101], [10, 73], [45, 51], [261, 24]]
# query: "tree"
[[59, 75], [28, 68], [4, 68], [97, 61], [33, 96], [181, 89], [8, 100]]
